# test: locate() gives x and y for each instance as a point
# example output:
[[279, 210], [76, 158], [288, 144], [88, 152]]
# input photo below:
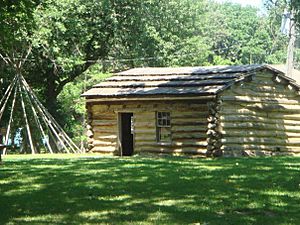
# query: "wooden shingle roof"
[[182, 81]]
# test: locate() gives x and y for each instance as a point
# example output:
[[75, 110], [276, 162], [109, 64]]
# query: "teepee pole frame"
[[41, 116], [37, 121], [10, 120], [51, 123], [12, 84], [7, 98], [26, 120], [50, 119]]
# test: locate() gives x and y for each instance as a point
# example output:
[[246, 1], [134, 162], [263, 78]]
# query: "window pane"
[[163, 119], [168, 123], [165, 134], [163, 127]]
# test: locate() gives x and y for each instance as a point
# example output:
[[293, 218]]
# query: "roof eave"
[[148, 98]]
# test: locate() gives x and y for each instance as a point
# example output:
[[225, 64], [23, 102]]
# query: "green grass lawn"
[[143, 190]]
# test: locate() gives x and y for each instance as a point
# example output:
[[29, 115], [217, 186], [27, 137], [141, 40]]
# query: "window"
[[163, 127]]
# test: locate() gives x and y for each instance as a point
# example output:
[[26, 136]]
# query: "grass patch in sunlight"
[[90, 189]]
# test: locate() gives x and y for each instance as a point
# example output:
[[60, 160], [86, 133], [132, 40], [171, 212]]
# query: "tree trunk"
[[51, 94]]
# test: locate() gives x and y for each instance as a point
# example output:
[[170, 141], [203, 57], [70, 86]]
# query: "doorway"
[[126, 133]]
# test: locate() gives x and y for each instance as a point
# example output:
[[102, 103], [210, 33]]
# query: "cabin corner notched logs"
[[215, 111]]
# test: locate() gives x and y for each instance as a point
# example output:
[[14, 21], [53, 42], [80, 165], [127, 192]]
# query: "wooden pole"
[[84, 123], [36, 118], [291, 47], [6, 100], [51, 121], [8, 90], [26, 120], [47, 119], [10, 121]]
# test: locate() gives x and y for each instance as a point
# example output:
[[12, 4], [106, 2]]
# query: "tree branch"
[[79, 69]]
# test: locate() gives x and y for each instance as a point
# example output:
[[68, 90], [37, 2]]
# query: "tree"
[[68, 38], [291, 5], [72, 35], [243, 36], [16, 25]]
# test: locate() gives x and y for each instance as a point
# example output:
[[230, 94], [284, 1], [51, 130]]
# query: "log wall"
[[188, 126], [260, 117]]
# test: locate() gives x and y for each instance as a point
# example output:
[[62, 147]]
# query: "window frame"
[[163, 122]]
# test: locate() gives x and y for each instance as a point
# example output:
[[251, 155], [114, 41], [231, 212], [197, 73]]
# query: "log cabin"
[[211, 111]]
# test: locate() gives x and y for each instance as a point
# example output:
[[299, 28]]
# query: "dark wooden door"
[[126, 134]]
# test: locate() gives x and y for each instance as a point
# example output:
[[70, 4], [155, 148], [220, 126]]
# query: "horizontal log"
[[105, 143], [189, 140], [267, 107], [189, 123], [144, 131], [145, 124], [259, 133], [269, 153], [261, 141], [143, 145], [188, 120], [145, 138], [105, 129], [199, 119], [273, 101], [100, 132], [189, 114], [267, 91], [188, 128], [174, 151], [142, 118], [99, 108], [103, 113], [103, 140], [192, 135], [264, 74], [190, 143], [106, 136], [152, 107], [240, 153], [250, 112], [149, 99], [101, 116], [173, 144], [106, 111], [104, 149], [248, 92], [272, 148], [103, 123], [251, 126], [276, 88], [258, 119]]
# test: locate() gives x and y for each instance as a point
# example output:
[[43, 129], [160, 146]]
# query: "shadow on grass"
[[171, 190]]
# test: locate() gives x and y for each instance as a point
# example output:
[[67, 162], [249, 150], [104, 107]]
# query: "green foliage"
[[243, 36], [15, 28], [72, 106], [209, 34], [70, 38], [16, 23], [64, 189], [290, 5]]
